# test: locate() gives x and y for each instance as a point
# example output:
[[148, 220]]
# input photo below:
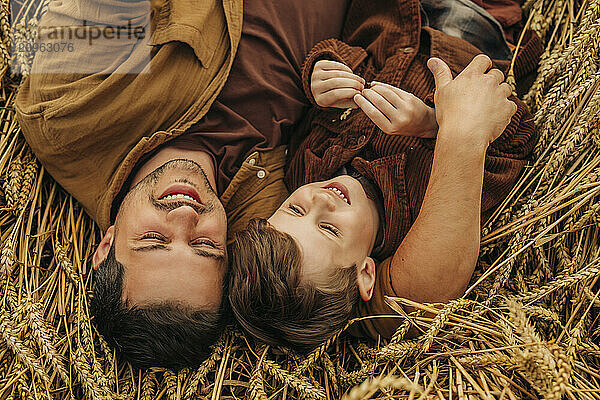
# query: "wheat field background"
[[528, 327]]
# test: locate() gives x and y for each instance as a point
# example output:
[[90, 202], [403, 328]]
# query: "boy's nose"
[[324, 198]]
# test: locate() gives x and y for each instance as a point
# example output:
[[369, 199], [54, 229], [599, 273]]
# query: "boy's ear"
[[366, 278], [104, 247]]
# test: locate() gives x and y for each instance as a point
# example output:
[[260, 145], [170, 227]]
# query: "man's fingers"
[[506, 89], [479, 64], [372, 112], [440, 70], [497, 75], [328, 64], [381, 101], [338, 83], [513, 108]]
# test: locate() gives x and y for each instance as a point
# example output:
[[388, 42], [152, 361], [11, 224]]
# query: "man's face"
[[333, 222], [170, 235]]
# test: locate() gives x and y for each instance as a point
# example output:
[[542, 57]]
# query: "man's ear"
[[366, 278], [104, 247]]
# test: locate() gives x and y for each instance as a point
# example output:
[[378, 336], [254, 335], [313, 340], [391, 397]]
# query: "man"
[[166, 159]]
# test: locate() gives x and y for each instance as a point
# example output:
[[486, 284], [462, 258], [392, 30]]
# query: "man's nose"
[[323, 199], [184, 217]]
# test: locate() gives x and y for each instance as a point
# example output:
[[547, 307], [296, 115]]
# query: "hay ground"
[[527, 328]]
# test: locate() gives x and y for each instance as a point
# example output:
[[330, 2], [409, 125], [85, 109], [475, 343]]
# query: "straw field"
[[526, 329]]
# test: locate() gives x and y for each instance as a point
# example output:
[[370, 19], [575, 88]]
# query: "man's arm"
[[438, 255]]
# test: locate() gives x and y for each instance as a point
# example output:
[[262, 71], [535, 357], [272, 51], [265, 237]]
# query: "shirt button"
[[362, 139], [408, 50], [252, 161], [261, 174]]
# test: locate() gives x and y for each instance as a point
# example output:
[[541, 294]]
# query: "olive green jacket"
[[89, 130]]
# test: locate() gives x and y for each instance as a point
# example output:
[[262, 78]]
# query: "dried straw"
[[526, 329]]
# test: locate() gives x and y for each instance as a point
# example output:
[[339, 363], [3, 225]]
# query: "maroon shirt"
[[263, 96]]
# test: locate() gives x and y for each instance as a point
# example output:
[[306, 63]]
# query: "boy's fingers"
[[328, 64], [333, 96], [340, 83], [372, 112], [329, 74], [389, 94], [347, 103], [382, 104], [399, 92]]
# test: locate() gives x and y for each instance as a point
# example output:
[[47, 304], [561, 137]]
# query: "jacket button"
[[252, 161], [408, 50], [261, 174], [361, 139]]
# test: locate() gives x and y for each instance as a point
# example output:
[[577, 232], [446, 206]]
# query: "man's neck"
[[168, 153]]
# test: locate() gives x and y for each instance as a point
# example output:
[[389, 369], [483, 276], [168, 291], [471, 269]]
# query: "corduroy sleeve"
[[334, 50]]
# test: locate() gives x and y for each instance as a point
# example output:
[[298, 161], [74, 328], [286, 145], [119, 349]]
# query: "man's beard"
[[147, 184]]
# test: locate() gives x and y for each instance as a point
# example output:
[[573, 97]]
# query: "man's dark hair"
[[271, 301], [167, 334]]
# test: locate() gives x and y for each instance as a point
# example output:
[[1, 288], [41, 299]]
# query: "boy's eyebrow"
[[334, 240]]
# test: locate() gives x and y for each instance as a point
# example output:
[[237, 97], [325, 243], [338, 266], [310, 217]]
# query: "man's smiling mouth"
[[181, 192], [178, 195]]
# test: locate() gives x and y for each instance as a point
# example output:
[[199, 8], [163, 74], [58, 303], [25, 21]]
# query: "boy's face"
[[334, 223]]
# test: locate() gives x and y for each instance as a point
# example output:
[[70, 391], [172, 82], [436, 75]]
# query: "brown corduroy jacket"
[[387, 44]]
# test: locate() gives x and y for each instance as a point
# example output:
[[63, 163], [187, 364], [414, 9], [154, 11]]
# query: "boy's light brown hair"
[[271, 301]]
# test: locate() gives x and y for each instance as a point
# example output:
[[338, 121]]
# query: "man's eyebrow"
[[202, 253], [151, 247]]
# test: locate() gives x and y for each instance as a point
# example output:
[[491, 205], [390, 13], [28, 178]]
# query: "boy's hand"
[[334, 85], [397, 112], [475, 104]]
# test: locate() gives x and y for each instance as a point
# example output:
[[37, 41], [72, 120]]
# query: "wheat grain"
[[256, 388], [370, 386], [561, 282], [204, 368], [64, 263], [23, 353], [27, 180], [440, 320], [303, 387], [43, 336], [83, 371], [148, 390], [170, 382]]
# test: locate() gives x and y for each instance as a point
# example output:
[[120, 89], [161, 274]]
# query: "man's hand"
[[475, 104], [397, 112], [334, 85]]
